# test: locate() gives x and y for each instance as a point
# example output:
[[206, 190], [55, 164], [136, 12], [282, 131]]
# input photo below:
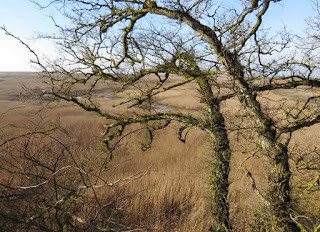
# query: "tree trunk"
[[279, 179], [279, 190], [219, 180]]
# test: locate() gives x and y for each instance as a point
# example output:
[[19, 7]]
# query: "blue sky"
[[24, 19], [291, 13]]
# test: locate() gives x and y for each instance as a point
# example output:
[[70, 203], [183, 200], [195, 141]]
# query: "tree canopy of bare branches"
[[223, 48]]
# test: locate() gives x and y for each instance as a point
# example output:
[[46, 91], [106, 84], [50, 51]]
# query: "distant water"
[[9, 78]]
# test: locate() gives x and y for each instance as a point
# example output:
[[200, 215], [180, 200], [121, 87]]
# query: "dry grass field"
[[173, 193]]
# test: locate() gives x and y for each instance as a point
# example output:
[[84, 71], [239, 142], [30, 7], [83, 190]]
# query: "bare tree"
[[125, 41], [95, 55]]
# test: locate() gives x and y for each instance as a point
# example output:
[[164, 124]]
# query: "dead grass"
[[174, 194]]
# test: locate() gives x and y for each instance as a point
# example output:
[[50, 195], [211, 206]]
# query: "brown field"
[[173, 194]]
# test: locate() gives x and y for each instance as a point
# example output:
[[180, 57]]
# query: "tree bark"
[[219, 180], [279, 190], [279, 178]]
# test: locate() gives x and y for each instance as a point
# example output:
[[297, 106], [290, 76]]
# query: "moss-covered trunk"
[[279, 179], [219, 180], [279, 189]]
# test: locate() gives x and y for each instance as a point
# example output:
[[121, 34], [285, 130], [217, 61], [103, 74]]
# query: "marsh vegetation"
[[164, 116]]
